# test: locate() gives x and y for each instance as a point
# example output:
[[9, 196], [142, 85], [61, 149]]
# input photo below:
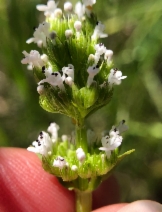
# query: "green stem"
[[83, 201], [81, 137]]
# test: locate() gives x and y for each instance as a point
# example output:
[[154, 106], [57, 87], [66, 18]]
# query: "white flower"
[[53, 129], [68, 7], [69, 71], [115, 77], [92, 71], [113, 140], [40, 35], [68, 33], [89, 2], [47, 71], [33, 58], [42, 145], [80, 154], [98, 31], [100, 49], [48, 9], [80, 10], [59, 162], [53, 78], [110, 143], [108, 55]]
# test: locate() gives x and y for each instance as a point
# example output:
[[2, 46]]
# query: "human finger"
[[26, 187], [142, 205], [111, 208]]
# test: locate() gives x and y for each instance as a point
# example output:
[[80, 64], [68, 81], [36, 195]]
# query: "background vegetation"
[[134, 29]]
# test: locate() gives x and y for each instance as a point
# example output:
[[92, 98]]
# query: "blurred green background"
[[135, 36]]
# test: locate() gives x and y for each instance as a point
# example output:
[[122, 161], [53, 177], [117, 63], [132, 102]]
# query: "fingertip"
[[25, 186]]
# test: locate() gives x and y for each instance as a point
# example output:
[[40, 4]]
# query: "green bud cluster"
[[88, 173]]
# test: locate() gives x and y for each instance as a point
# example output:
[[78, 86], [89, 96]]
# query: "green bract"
[[73, 102]]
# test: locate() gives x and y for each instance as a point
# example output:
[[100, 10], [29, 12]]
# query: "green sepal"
[[88, 96], [102, 76], [119, 159], [73, 102]]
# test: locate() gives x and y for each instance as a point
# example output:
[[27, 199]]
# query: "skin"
[[26, 187]]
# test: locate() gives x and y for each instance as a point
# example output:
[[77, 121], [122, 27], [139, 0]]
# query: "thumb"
[[143, 206]]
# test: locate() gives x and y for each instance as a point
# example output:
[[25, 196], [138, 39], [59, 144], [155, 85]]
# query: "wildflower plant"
[[75, 76]]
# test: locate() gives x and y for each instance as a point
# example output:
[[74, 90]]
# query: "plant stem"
[[81, 137], [83, 201]]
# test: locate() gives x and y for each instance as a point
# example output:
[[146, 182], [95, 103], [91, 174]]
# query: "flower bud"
[[100, 48], [44, 57], [78, 26], [64, 138], [57, 13], [108, 55], [68, 7], [74, 168], [40, 89], [68, 33], [80, 155], [91, 58], [69, 81]]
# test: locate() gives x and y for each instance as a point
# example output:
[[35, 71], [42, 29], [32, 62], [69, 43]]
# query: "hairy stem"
[[83, 201]]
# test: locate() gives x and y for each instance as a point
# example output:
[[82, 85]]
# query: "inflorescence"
[[75, 22], [75, 76], [69, 162]]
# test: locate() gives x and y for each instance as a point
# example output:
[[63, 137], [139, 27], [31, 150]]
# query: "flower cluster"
[[75, 76], [62, 154], [73, 62]]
